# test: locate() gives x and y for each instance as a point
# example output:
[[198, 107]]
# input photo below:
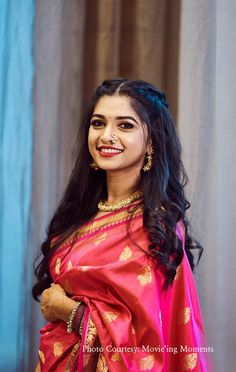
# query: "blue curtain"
[[16, 136]]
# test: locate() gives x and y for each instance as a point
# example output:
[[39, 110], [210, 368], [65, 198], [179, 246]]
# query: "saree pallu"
[[131, 323]]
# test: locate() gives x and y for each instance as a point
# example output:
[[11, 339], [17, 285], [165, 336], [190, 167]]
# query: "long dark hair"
[[164, 201]]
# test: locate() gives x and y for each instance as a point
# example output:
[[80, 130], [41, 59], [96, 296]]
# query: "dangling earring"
[[148, 165], [94, 165]]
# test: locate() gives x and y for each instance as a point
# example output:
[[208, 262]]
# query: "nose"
[[106, 135]]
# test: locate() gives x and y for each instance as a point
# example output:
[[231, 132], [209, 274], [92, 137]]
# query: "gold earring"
[[148, 165], [94, 165]]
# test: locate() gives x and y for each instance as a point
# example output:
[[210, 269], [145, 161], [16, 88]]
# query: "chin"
[[109, 169]]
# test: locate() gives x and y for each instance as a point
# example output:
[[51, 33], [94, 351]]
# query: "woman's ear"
[[149, 148]]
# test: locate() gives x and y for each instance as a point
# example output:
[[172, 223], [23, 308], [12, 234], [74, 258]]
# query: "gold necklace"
[[106, 206]]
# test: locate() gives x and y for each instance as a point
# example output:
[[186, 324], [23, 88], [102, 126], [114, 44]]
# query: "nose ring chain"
[[114, 138]]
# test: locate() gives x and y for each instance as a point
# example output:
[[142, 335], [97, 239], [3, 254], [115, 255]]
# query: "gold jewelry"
[[106, 206], [94, 165], [148, 165], [71, 317], [114, 138]]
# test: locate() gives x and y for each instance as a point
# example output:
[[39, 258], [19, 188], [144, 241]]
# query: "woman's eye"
[[96, 123], [126, 125]]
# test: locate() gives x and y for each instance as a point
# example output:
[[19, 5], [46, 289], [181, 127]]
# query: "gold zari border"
[[97, 224]]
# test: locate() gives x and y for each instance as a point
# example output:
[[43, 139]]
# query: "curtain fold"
[[206, 124], [59, 33], [16, 133], [135, 39]]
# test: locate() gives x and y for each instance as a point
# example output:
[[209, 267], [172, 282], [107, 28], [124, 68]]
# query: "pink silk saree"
[[140, 326]]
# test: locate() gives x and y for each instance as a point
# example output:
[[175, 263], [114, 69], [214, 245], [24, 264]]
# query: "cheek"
[[91, 139], [136, 143], [91, 149]]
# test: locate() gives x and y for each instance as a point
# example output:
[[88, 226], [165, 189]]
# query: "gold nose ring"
[[114, 139]]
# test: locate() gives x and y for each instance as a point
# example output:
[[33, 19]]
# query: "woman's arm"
[[55, 304]]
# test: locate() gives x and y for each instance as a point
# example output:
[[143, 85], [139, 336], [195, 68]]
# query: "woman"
[[116, 280]]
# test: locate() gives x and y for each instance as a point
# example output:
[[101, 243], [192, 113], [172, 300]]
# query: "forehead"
[[115, 106]]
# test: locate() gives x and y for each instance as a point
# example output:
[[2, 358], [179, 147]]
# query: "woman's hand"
[[55, 304]]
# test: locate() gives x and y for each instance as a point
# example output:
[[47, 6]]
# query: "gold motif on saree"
[[57, 349], [145, 277], [109, 316], [72, 357], [57, 265], [69, 266], [147, 363], [101, 238], [115, 357], [92, 332], [84, 268], [178, 272], [133, 331], [101, 364], [184, 315], [99, 223], [190, 361], [125, 254], [90, 342], [41, 356]]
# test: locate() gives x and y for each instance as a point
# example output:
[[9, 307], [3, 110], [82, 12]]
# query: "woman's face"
[[114, 116]]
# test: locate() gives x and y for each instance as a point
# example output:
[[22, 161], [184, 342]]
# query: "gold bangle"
[[71, 317]]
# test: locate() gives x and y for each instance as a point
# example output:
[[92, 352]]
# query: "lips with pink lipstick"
[[108, 151]]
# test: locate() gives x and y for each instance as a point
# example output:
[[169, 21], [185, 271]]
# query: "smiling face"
[[117, 139]]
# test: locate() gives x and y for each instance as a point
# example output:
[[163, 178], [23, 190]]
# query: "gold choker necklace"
[[106, 206]]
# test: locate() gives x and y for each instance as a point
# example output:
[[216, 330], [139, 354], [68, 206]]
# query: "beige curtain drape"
[[172, 44], [135, 39], [207, 113]]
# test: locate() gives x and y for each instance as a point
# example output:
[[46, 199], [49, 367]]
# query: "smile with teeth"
[[109, 150]]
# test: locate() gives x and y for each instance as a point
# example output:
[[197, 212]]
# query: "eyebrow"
[[117, 117]]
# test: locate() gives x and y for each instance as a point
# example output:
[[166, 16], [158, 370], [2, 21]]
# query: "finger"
[[59, 288]]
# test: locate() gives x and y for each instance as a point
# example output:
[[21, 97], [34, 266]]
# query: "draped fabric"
[[16, 133], [207, 115], [140, 325], [134, 39], [187, 48]]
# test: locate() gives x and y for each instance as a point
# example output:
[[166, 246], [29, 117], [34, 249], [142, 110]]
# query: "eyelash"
[[126, 123], [94, 122]]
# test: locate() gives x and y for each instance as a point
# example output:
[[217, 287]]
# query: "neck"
[[120, 185]]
